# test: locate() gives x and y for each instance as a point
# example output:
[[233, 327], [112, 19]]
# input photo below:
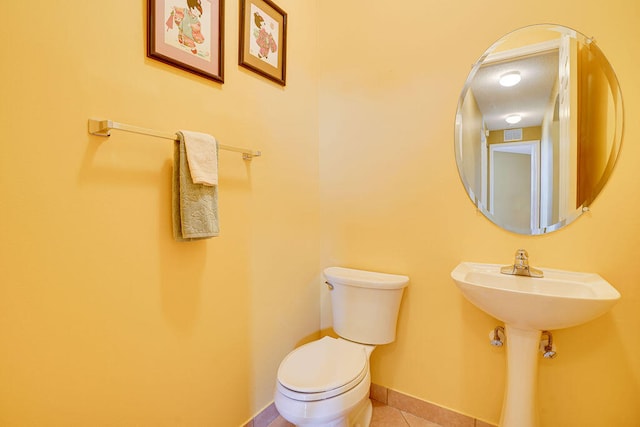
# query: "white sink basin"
[[558, 300]]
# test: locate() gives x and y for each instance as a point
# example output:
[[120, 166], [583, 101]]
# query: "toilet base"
[[359, 417], [362, 417]]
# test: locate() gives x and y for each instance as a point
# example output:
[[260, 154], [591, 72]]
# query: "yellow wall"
[[104, 319], [596, 124], [528, 134], [392, 201], [469, 128]]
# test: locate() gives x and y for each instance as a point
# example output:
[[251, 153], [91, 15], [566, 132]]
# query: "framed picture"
[[263, 39], [188, 34]]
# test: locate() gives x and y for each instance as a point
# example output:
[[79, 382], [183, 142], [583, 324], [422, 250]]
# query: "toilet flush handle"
[[329, 285]]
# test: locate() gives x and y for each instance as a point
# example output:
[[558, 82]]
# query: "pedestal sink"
[[528, 306]]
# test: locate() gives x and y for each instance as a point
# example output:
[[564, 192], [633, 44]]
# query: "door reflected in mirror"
[[538, 128]]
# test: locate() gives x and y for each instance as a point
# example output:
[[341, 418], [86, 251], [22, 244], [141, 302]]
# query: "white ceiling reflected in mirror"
[[538, 128]]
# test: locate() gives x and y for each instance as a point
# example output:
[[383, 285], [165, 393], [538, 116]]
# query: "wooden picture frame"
[[188, 34], [263, 39]]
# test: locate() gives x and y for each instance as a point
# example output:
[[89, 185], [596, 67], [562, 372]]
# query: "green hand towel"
[[194, 206]]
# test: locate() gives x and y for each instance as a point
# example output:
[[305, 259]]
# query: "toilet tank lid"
[[364, 279]]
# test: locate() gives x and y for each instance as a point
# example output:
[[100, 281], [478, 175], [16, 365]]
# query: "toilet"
[[326, 382]]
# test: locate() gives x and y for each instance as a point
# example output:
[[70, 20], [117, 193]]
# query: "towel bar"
[[102, 128]]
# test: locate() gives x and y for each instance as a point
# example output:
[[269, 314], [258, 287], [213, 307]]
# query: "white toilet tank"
[[365, 304]]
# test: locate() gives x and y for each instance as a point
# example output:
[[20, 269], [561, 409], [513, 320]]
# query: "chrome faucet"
[[521, 266]]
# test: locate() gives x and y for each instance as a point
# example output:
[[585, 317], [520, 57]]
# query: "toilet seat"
[[322, 369]]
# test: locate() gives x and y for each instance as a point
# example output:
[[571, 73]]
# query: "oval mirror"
[[538, 128]]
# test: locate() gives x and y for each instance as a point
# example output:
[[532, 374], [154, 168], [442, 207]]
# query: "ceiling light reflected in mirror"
[[510, 79], [513, 119]]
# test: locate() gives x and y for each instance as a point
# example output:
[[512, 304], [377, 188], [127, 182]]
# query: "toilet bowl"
[[326, 382]]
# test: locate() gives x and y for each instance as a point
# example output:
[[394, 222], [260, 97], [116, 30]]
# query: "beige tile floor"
[[383, 416]]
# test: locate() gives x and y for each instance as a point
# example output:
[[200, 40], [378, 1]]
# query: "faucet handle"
[[521, 266], [522, 258]]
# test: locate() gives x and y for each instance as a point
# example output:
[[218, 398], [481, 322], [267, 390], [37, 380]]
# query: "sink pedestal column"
[[520, 399]]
